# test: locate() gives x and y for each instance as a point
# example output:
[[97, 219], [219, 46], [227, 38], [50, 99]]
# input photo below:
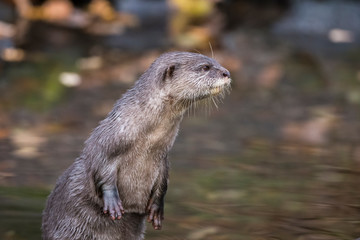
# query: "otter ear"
[[169, 72]]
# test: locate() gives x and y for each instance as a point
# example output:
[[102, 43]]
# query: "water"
[[279, 159], [232, 176]]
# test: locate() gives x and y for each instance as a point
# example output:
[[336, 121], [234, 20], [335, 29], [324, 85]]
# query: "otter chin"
[[217, 90], [220, 89], [121, 177]]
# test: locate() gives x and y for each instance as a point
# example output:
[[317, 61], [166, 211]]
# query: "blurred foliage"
[[305, 72], [35, 84], [189, 25]]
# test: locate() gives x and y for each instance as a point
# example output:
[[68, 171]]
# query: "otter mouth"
[[216, 90], [221, 87]]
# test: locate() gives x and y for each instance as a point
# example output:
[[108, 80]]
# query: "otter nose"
[[226, 73]]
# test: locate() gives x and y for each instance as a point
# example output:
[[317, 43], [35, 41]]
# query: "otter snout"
[[223, 77], [221, 72], [222, 82], [225, 73]]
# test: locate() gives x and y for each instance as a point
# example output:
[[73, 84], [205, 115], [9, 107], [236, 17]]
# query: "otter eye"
[[205, 67]]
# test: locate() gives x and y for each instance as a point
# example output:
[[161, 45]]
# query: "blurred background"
[[279, 158]]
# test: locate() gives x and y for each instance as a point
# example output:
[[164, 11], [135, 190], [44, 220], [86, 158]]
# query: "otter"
[[121, 176]]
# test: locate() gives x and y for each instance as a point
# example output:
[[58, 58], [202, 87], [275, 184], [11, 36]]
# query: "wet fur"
[[128, 151]]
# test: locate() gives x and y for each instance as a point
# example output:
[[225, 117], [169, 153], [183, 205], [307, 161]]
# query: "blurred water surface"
[[278, 159]]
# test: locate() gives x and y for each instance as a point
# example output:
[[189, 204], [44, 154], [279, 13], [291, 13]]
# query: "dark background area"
[[278, 159]]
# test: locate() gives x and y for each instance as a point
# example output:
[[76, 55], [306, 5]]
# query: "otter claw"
[[114, 208], [113, 205], [156, 215]]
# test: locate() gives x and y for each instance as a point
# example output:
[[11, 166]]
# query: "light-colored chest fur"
[[145, 165]]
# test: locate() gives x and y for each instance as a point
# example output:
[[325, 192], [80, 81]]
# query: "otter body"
[[121, 175]]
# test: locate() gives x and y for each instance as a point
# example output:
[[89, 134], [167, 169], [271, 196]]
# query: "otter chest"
[[145, 166], [161, 137]]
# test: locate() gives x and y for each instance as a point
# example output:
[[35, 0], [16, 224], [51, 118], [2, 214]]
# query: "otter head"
[[188, 77]]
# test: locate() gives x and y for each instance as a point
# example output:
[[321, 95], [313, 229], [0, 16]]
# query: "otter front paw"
[[156, 215], [112, 204]]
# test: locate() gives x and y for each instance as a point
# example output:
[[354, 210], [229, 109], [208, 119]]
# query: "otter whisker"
[[195, 104], [189, 106], [206, 106], [214, 101], [227, 90], [197, 51], [212, 52], [210, 105]]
